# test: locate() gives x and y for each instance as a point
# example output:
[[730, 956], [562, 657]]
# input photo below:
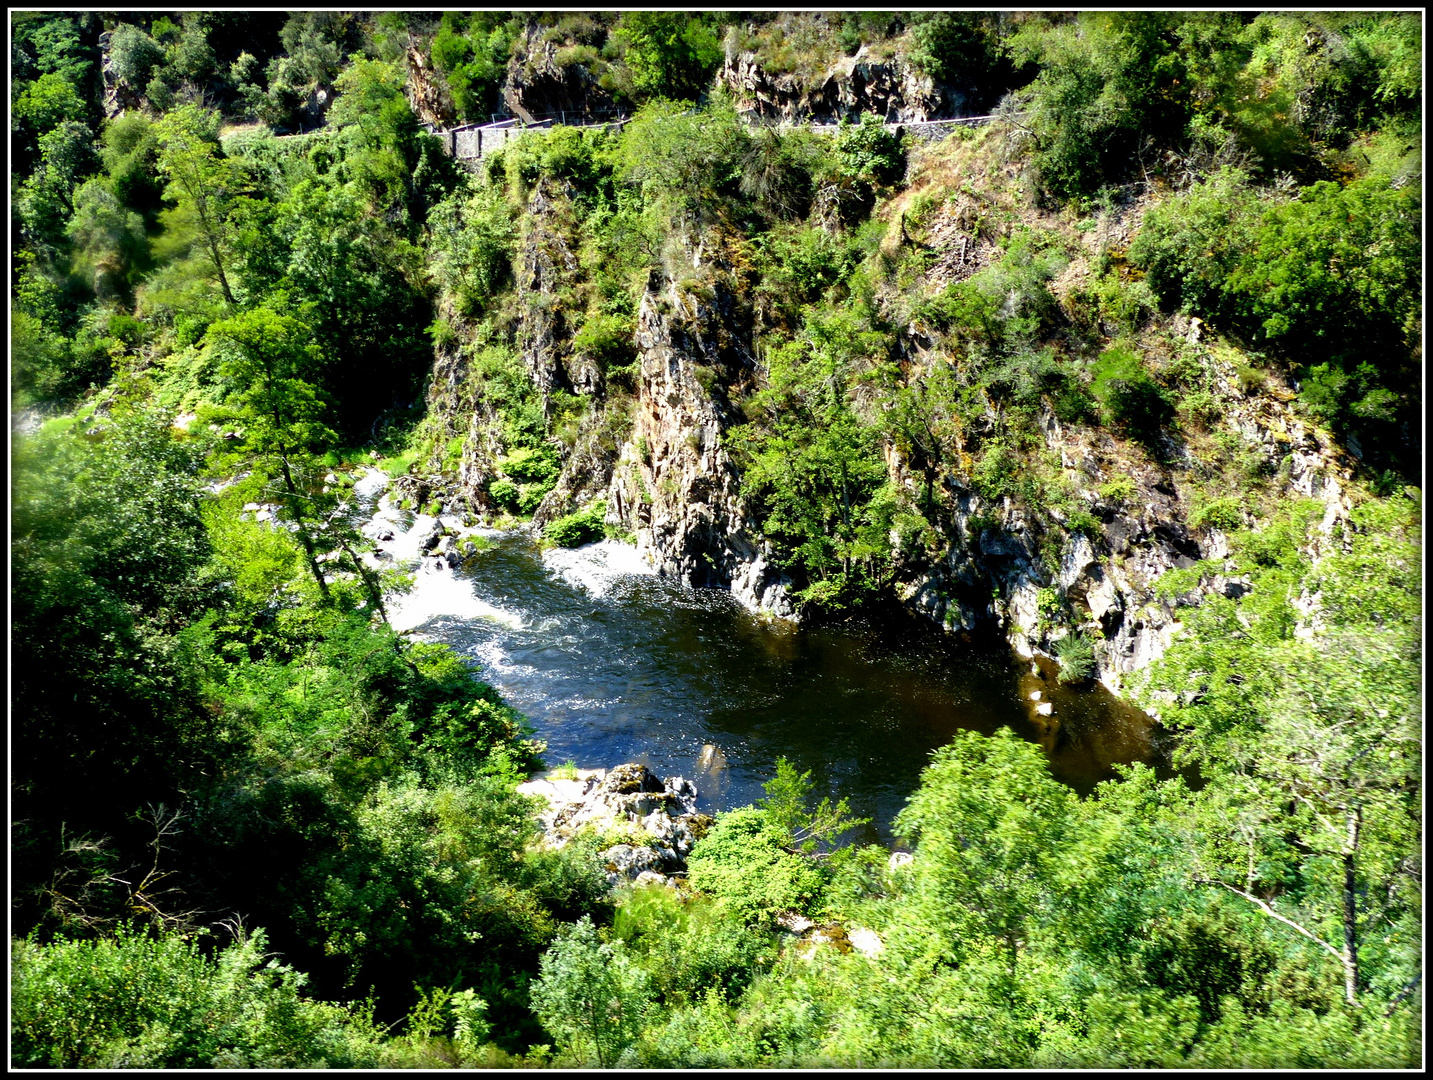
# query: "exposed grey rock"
[[628, 797], [892, 89], [674, 485]]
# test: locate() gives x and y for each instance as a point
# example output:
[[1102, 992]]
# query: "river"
[[612, 664]]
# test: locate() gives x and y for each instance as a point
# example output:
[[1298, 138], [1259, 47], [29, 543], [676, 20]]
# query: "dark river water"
[[614, 666]]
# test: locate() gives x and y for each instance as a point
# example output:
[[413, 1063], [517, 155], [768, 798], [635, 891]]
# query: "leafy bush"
[[1224, 513], [505, 493], [591, 995], [134, 54], [1082, 521], [581, 527], [669, 53], [608, 339], [744, 861], [137, 1002], [1119, 490], [690, 946], [1128, 393], [1106, 80]]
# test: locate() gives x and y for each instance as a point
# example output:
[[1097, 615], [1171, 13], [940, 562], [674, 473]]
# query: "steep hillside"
[[1101, 330], [1021, 426]]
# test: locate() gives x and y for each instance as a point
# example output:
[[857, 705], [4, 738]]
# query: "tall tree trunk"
[[370, 583], [1350, 909], [304, 538], [219, 266]]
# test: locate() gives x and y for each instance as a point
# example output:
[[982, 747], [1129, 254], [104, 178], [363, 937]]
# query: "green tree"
[[201, 182], [134, 55], [788, 806], [1107, 82], [591, 995], [109, 240], [670, 54], [45, 200], [270, 359], [1309, 733], [986, 866], [108, 555], [815, 469], [48, 102]]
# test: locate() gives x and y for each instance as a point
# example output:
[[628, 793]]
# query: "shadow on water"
[[614, 667]]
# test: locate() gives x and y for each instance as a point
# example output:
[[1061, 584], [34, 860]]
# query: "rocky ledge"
[[654, 822]]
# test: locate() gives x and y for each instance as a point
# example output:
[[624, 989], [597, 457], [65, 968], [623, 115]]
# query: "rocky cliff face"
[[538, 86], [427, 92], [657, 458], [675, 485], [660, 458], [997, 567], [854, 85]]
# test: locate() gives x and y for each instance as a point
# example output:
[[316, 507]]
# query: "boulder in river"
[[656, 819]]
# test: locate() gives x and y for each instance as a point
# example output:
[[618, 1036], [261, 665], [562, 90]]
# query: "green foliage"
[[744, 862], [984, 865], [134, 54], [1311, 732], [867, 153], [472, 247], [137, 1002], [685, 162], [815, 468], [807, 828], [1328, 274], [581, 527], [473, 60], [1128, 393], [202, 184], [690, 947], [48, 102], [46, 198], [591, 995], [1077, 658], [107, 559], [961, 49], [608, 339], [1224, 513], [1106, 81], [669, 54]]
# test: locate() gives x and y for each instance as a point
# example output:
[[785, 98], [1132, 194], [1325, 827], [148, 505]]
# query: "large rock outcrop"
[[675, 485], [858, 84], [997, 566], [546, 79], [655, 820]]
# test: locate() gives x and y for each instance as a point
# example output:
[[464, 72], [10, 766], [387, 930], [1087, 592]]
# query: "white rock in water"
[[1045, 709], [1035, 695]]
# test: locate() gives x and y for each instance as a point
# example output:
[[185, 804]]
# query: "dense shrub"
[[744, 862], [1128, 393], [581, 527], [138, 1002]]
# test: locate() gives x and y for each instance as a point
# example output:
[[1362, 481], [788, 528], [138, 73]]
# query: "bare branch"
[[1267, 910]]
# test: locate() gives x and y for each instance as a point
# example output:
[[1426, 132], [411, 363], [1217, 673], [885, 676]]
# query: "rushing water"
[[614, 664]]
